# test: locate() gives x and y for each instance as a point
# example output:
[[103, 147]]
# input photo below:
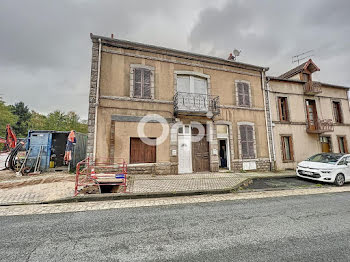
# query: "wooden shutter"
[[141, 152], [246, 94], [283, 109], [243, 94], [287, 144], [343, 144], [247, 141], [146, 83], [142, 83], [337, 112], [137, 82]]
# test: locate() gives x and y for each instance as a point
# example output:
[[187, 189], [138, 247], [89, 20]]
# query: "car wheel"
[[339, 180]]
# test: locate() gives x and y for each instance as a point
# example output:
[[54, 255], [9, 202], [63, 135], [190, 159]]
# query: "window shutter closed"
[[240, 94], [138, 82], [246, 94], [247, 141], [243, 94], [146, 83]]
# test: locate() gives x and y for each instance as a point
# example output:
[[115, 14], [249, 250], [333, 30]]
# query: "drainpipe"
[[97, 95], [266, 119], [272, 137]]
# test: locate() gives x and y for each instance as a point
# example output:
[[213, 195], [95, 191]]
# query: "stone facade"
[[117, 112], [291, 86]]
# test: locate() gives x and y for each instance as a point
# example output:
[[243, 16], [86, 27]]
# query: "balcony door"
[[311, 114], [192, 93]]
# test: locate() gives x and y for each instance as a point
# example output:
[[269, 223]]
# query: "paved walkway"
[[51, 187]]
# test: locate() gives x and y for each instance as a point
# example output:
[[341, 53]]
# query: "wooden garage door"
[[141, 152]]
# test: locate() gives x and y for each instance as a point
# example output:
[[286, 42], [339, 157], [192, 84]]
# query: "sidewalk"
[[59, 187]]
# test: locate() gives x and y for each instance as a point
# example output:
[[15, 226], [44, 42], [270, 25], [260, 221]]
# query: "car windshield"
[[325, 158]]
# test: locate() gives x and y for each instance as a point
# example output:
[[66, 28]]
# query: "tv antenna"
[[236, 53], [302, 56]]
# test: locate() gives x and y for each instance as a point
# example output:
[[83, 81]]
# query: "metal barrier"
[[101, 173]]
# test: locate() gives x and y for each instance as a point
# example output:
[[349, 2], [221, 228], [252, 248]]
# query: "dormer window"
[[306, 77]]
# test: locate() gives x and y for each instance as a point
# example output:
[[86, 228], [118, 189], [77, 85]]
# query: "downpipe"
[[97, 96]]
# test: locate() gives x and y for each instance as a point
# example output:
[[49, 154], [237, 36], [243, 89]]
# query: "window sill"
[[288, 161], [140, 97]]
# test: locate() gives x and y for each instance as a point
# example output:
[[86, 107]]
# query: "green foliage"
[[37, 121], [23, 114], [21, 120], [6, 117]]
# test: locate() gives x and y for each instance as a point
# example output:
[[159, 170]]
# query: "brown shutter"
[[345, 145], [247, 141], [240, 94], [146, 83], [246, 94], [137, 82], [280, 108]]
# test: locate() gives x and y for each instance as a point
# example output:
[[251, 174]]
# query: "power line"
[[302, 56]]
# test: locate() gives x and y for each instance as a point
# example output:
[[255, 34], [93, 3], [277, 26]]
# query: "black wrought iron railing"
[[196, 103]]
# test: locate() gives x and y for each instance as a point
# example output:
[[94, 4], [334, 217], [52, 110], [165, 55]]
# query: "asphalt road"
[[302, 228]]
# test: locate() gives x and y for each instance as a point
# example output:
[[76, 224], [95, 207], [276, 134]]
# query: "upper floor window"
[[142, 81], [243, 94], [192, 84], [337, 112], [283, 109]]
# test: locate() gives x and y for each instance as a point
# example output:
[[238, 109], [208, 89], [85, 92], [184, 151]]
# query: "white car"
[[326, 167]]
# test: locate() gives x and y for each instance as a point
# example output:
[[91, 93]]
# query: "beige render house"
[[308, 117], [131, 80]]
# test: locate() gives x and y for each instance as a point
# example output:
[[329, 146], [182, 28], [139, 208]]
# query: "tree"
[[23, 114], [37, 121], [57, 121], [6, 117]]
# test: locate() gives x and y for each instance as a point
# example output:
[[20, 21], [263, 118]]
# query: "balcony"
[[196, 104], [312, 88], [320, 126]]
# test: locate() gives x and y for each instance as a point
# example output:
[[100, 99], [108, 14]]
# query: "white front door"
[[185, 150]]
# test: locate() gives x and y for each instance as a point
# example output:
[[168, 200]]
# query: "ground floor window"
[[141, 152], [287, 148], [247, 141], [326, 144], [343, 147]]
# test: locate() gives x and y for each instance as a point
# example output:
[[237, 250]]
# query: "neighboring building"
[[131, 80], [308, 117]]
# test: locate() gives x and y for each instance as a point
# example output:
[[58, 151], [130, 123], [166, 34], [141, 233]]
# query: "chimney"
[[112, 35]]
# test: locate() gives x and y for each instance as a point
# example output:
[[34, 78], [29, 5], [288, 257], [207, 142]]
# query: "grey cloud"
[[271, 32], [45, 46]]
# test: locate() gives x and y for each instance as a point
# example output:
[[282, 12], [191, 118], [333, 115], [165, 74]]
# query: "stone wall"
[[92, 99], [261, 165], [153, 169]]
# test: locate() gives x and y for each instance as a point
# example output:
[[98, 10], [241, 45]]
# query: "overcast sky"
[[45, 47]]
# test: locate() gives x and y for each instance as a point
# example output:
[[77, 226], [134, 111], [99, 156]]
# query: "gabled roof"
[[300, 68]]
